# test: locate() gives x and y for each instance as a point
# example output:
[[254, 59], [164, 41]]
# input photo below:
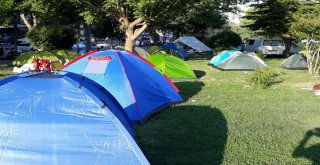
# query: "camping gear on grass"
[[242, 62], [134, 82], [296, 61], [316, 89], [193, 43], [54, 119], [172, 66]]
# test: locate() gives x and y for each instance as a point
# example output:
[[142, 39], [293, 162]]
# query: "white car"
[[267, 46]]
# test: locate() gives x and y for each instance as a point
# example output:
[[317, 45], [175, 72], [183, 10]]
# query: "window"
[[251, 42], [267, 42], [97, 65], [273, 43], [277, 43]]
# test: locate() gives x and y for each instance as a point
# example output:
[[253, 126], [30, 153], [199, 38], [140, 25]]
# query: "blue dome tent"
[[171, 48], [54, 119], [134, 82]]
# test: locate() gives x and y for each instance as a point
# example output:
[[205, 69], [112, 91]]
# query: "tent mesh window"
[[97, 66]]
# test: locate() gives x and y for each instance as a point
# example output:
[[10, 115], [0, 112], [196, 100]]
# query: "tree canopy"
[[33, 12], [134, 16], [272, 17], [306, 26], [6, 10], [306, 22]]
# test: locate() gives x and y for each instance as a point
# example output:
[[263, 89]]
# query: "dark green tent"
[[242, 62], [296, 61]]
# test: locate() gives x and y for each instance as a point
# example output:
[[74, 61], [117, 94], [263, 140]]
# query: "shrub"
[[261, 55], [263, 78], [225, 39], [52, 37]]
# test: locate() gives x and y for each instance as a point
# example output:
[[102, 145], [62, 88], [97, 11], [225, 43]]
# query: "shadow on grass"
[[311, 152], [275, 57], [190, 88], [199, 73], [185, 135]]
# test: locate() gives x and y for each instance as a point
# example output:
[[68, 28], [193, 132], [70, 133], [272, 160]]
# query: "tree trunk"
[[16, 20], [287, 43], [87, 34], [133, 30], [129, 44], [154, 35], [26, 22], [313, 57]]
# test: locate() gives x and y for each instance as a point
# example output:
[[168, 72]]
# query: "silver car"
[[267, 46]]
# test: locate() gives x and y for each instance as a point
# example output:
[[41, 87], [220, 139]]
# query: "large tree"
[[134, 16], [273, 18], [198, 17], [33, 12], [306, 26], [6, 10]]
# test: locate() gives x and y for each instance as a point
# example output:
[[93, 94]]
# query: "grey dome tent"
[[242, 62], [137, 50], [296, 61]]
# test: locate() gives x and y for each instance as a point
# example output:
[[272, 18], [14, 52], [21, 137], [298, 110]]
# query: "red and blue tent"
[[54, 119], [134, 82]]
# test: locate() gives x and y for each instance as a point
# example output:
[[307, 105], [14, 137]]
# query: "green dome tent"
[[296, 61], [172, 66], [242, 62]]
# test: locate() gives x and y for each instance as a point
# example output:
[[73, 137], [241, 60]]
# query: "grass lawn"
[[5, 68], [224, 122]]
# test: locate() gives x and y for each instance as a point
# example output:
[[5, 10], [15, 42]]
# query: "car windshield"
[[273, 43], [249, 42]]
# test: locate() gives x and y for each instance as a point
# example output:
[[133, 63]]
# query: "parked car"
[[267, 46], [6, 51], [23, 45], [80, 47], [8, 39]]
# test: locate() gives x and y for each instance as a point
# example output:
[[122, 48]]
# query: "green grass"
[[225, 122], [5, 69]]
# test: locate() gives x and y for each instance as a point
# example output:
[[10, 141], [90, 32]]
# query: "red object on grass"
[[316, 87]]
